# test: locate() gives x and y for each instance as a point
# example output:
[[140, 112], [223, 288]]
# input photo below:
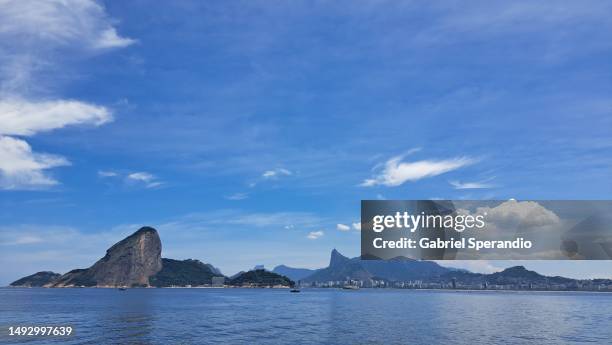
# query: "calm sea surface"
[[314, 316]]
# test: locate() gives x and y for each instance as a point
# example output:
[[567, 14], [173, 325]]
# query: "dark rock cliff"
[[129, 262]]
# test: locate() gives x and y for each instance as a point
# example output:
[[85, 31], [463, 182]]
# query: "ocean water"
[[314, 316]]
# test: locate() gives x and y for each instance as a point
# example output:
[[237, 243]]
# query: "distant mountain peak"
[[292, 273], [146, 228], [516, 268], [518, 272], [337, 258]]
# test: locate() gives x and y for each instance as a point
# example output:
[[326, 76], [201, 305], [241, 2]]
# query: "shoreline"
[[316, 288]]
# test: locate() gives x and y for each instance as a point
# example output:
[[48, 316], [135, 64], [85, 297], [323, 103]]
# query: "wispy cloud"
[[270, 175], [26, 118], [141, 176], [472, 185], [147, 179], [107, 173], [237, 196], [343, 227], [31, 35], [135, 179], [231, 218], [275, 173], [21, 240], [395, 172], [314, 235], [41, 26]]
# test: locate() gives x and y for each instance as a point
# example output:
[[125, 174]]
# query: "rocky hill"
[[184, 273], [132, 262], [398, 269], [510, 276], [37, 279], [260, 278], [129, 262]]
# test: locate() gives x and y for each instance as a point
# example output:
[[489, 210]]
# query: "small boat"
[[122, 289], [350, 287], [294, 290]]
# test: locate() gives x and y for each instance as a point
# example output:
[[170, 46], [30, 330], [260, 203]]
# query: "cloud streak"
[[472, 185], [315, 235], [237, 196], [395, 172], [147, 179], [272, 174], [343, 227], [26, 118]]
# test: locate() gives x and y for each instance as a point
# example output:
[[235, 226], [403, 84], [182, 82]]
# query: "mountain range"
[[343, 268], [136, 262], [405, 272]]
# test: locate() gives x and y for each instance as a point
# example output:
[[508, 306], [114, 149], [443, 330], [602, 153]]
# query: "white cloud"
[[141, 176], [357, 226], [105, 173], [20, 117], [271, 174], [237, 196], [59, 23], [110, 39], [471, 185], [149, 180], [526, 213], [343, 227], [154, 184], [313, 235], [396, 172], [136, 179], [20, 168], [35, 37]]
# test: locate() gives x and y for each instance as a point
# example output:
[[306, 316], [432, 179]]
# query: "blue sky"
[[247, 131]]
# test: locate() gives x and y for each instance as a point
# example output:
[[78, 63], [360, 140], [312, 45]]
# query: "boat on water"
[[294, 290], [122, 288], [350, 287]]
